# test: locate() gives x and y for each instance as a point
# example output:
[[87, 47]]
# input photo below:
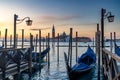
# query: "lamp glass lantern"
[[29, 22], [110, 18]]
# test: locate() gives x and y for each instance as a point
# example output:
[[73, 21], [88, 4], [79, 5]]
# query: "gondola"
[[43, 54], [84, 64], [117, 50]]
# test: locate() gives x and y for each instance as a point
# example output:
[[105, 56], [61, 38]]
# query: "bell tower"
[[53, 33], [53, 36]]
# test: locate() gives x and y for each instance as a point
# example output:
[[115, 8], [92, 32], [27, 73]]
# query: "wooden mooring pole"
[[46, 41], [48, 52], [11, 41], [114, 40], [93, 43], [98, 49], [46, 47], [16, 40], [116, 68], [34, 41], [40, 43], [111, 46], [102, 38], [71, 47], [58, 49], [22, 38], [30, 56], [43, 42], [39, 51], [5, 38], [69, 50], [76, 46], [36, 45]]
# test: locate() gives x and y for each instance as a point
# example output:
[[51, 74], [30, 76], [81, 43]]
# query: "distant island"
[[107, 40], [65, 38]]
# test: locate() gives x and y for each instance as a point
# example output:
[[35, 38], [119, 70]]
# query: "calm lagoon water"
[[58, 71]]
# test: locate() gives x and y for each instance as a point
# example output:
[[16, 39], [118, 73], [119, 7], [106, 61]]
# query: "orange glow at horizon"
[[83, 30], [27, 31]]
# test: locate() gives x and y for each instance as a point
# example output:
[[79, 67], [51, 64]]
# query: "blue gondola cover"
[[88, 54], [80, 66], [117, 50], [85, 63]]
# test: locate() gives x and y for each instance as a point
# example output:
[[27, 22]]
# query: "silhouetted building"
[[84, 39], [53, 36], [53, 32], [107, 40], [62, 37], [65, 38]]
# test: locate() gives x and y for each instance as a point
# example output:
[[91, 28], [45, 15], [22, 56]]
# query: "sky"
[[81, 15]]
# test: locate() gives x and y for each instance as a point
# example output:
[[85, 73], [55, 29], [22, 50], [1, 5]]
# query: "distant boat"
[[85, 64], [2, 46]]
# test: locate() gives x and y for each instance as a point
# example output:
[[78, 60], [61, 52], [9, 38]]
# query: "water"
[[58, 71]]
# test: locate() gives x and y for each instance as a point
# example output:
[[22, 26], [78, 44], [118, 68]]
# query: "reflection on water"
[[58, 71]]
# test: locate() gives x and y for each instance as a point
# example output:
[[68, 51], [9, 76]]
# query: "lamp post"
[[105, 15], [28, 22], [110, 17]]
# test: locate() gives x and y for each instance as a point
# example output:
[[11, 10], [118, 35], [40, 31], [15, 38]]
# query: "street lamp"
[[28, 22], [110, 17], [105, 15]]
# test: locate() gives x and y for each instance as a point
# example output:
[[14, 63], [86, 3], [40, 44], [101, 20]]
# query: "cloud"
[[69, 17], [79, 24], [48, 17]]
